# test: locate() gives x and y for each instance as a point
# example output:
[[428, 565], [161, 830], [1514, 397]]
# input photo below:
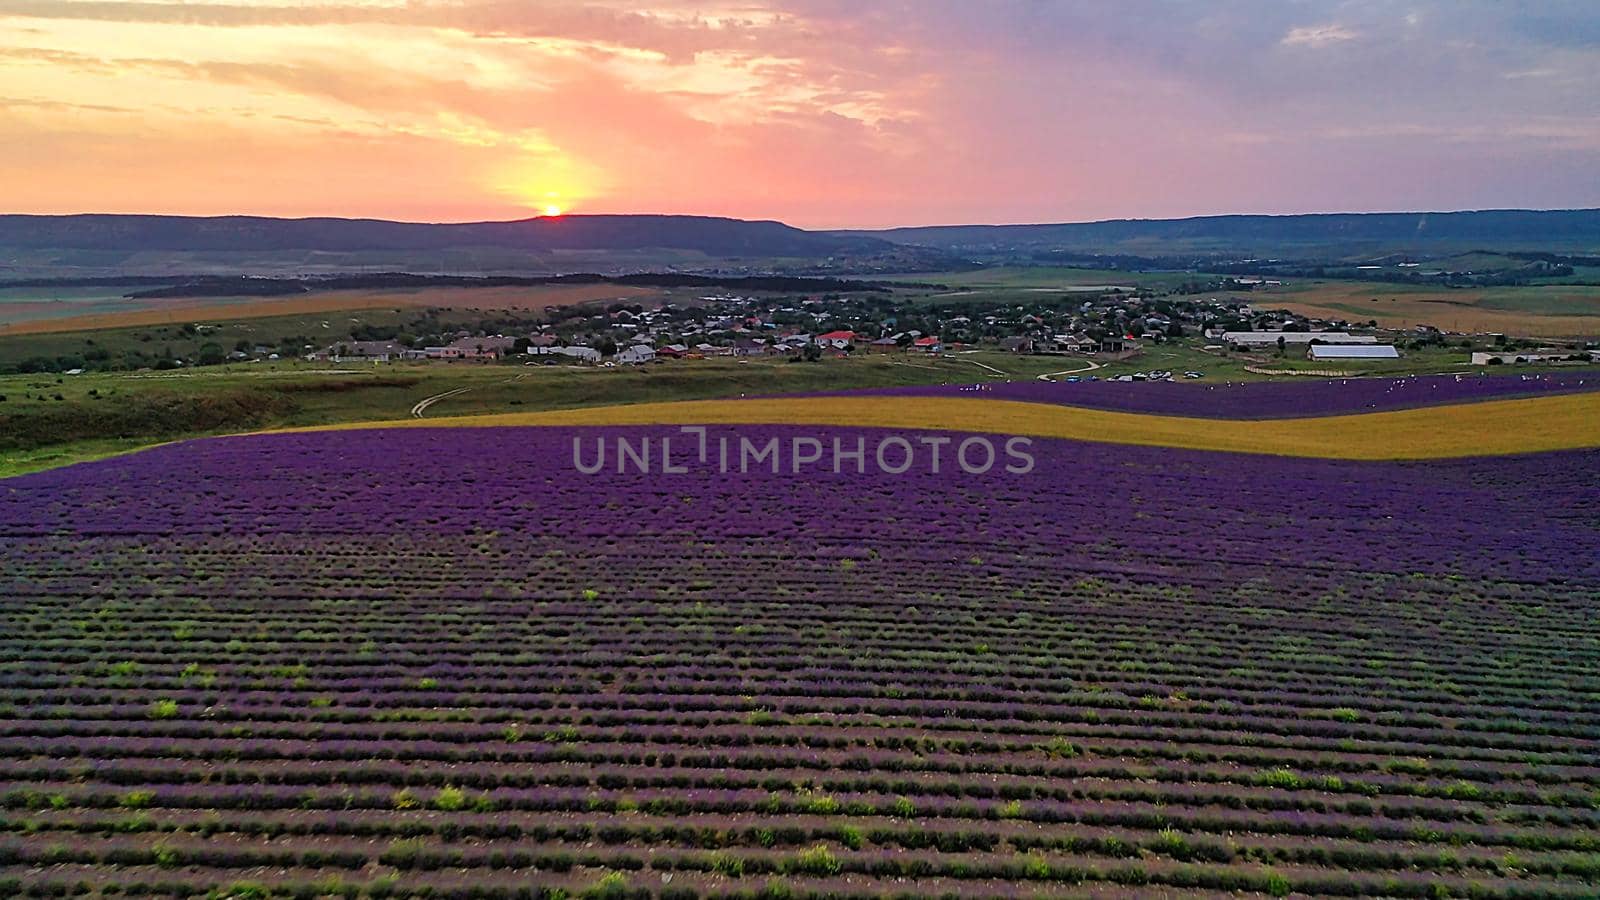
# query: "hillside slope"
[[703, 234], [97, 245], [1568, 229]]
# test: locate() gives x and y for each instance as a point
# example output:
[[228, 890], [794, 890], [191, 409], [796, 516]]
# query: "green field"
[[1555, 307], [316, 330], [1065, 277], [48, 420], [27, 304]]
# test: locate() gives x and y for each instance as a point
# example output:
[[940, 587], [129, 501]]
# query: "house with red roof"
[[836, 340], [928, 344]]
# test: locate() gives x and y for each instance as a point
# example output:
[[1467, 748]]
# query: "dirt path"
[[980, 365], [1089, 365], [423, 404]]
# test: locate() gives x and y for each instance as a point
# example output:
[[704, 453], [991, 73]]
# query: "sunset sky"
[[822, 113]]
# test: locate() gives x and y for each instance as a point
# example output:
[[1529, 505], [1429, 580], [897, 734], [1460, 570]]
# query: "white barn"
[[1270, 338], [1353, 351], [638, 353], [581, 354]]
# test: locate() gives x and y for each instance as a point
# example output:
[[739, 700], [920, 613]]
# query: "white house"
[[637, 354], [577, 354], [836, 340], [378, 351]]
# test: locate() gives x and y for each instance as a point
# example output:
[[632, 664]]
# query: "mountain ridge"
[[1240, 231], [713, 235], [112, 243]]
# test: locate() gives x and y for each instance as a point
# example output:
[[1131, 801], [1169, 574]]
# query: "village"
[[1114, 325]]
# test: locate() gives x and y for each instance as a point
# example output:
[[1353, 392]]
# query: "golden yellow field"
[[1539, 311], [1489, 428], [200, 309]]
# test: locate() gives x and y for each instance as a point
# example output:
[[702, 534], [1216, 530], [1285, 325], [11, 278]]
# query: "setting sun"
[[550, 209]]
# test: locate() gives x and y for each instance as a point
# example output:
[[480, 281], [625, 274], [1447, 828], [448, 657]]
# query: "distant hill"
[[703, 234], [81, 246], [135, 244], [1337, 233]]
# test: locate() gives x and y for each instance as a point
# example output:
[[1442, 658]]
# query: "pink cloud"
[[815, 111]]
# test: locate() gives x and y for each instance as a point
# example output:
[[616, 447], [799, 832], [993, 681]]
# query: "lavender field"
[[1268, 399], [440, 662]]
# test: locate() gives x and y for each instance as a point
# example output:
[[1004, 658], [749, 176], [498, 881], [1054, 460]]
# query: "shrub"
[[818, 860], [163, 709], [402, 854], [611, 886], [449, 799], [1279, 778], [728, 864], [136, 799], [774, 889], [1036, 867], [821, 804], [1061, 748]]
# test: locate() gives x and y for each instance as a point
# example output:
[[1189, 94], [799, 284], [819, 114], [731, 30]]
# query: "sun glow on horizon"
[[551, 209]]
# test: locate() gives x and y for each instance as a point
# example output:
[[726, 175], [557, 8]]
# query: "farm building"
[[485, 347], [638, 353], [579, 354], [378, 351], [1353, 351], [1512, 358], [1271, 338]]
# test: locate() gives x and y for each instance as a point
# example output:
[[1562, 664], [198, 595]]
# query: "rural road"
[[422, 405], [1089, 365], [985, 366]]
